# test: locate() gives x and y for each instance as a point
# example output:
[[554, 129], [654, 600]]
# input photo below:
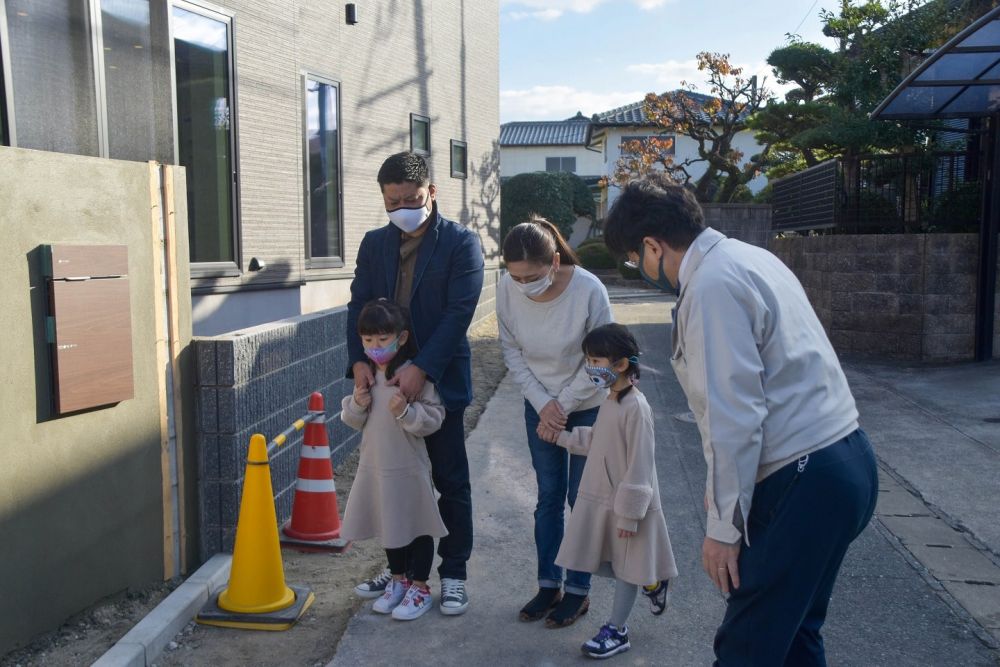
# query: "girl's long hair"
[[537, 240], [388, 317], [614, 342]]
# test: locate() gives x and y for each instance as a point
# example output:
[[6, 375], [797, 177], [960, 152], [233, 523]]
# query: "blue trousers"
[[558, 475], [802, 519]]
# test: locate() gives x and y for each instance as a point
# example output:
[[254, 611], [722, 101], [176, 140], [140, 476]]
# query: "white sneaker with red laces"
[[415, 604]]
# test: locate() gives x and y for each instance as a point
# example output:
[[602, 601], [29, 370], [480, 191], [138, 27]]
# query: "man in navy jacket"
[[434, 267]]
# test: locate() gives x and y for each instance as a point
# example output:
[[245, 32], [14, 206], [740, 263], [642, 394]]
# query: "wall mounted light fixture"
[[351, 13]]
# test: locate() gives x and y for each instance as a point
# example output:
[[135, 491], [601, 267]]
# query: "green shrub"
[[559, 197], [595, 256], [594, 240]]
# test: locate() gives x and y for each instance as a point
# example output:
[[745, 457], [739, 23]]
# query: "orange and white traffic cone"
[[315, 522], [257, 597]]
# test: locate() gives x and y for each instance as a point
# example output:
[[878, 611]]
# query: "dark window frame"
[[562, 159], [331, 262], [417, 118], [462, 173], [223, 269]]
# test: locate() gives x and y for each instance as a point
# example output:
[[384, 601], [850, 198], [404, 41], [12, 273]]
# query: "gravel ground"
[[86, 636]]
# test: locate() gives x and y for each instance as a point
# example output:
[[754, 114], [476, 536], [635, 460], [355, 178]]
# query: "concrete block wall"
[[750, 223], [259, 380], [907, 296]]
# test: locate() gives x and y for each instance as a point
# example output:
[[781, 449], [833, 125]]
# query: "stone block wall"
[[908, 296], [750, 223]]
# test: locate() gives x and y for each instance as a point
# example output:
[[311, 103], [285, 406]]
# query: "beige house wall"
[[81, 511]]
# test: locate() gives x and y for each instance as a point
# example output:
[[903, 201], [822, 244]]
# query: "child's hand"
[[363, 397], [625, 534], [548, 435], [398, 404]]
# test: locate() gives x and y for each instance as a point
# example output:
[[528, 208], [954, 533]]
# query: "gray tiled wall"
[[259, 380]]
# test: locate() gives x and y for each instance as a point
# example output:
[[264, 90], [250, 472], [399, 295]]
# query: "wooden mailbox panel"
[[91, 326]]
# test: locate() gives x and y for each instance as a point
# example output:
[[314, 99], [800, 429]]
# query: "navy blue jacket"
[[446, 287]]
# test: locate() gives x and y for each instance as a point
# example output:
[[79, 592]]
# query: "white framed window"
[[560, 164]]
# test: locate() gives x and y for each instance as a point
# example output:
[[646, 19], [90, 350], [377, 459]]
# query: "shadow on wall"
[[215, 314], [94, 532], [487, 218]]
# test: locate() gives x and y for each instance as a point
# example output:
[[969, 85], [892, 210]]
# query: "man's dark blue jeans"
[[558, 475], [802, 520]]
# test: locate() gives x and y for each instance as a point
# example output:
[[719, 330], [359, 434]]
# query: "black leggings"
[[414, 560]]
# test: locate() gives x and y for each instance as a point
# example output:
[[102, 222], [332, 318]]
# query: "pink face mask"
[[383, 355]]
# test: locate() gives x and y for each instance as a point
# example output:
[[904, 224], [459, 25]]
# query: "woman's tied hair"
[[537, 240]]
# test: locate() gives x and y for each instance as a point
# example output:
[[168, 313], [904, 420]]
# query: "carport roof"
[[959, 80]]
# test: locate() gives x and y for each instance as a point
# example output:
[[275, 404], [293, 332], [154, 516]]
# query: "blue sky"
[[558, 57]]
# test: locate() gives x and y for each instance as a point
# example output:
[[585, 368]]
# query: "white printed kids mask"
[[410, 219]]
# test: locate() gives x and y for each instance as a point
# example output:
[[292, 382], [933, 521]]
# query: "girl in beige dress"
[[616, 528], [392, 497]]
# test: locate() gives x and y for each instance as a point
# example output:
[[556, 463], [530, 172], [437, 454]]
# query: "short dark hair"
[[653, 207], [405, 167], [537, 240], [614, 341]]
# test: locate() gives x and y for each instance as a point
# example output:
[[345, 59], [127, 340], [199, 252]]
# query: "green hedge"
[[595, 256], [557, 196]]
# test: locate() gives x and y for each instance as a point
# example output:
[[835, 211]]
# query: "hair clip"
[[634, 358]]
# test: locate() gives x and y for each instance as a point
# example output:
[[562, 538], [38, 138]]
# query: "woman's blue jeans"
[[558, 475]]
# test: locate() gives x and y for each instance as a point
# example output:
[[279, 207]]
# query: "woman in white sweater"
[[546, 304]]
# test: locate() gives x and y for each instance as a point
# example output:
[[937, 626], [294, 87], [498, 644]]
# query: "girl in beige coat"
[[616, 528], [392, 497]]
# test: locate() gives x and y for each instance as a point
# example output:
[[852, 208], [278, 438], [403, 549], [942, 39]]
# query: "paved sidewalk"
[[887, 608]]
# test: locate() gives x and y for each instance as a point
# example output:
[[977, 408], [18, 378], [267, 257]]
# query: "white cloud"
[[560, 102], [542, 15], [668, 75], [548, 10]]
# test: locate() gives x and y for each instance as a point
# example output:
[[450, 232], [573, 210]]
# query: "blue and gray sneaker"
[[659, 595], [608, 642]]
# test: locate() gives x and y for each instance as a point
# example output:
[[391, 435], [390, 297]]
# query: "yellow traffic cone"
[[257, 597]]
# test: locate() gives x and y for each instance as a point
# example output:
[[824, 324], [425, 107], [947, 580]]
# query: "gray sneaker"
[[374, 587], [454, 599]]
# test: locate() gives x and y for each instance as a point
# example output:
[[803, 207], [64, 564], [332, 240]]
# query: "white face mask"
[[410, 219], [535, 288]]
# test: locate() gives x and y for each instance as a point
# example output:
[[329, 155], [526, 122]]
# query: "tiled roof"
[[633, 114], [569, 132]]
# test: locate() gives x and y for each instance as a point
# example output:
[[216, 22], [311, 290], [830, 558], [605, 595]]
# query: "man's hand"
[[552, 416], [720, 563], [363, 396], [363, 376], [410, 380], [548, 434], [398, 404]]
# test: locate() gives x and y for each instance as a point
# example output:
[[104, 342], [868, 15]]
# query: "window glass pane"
[[137, 76], [52, 71], [420, 135], [569, 164], [459, 159], [322, 137], [551, 164], [204, 133]]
